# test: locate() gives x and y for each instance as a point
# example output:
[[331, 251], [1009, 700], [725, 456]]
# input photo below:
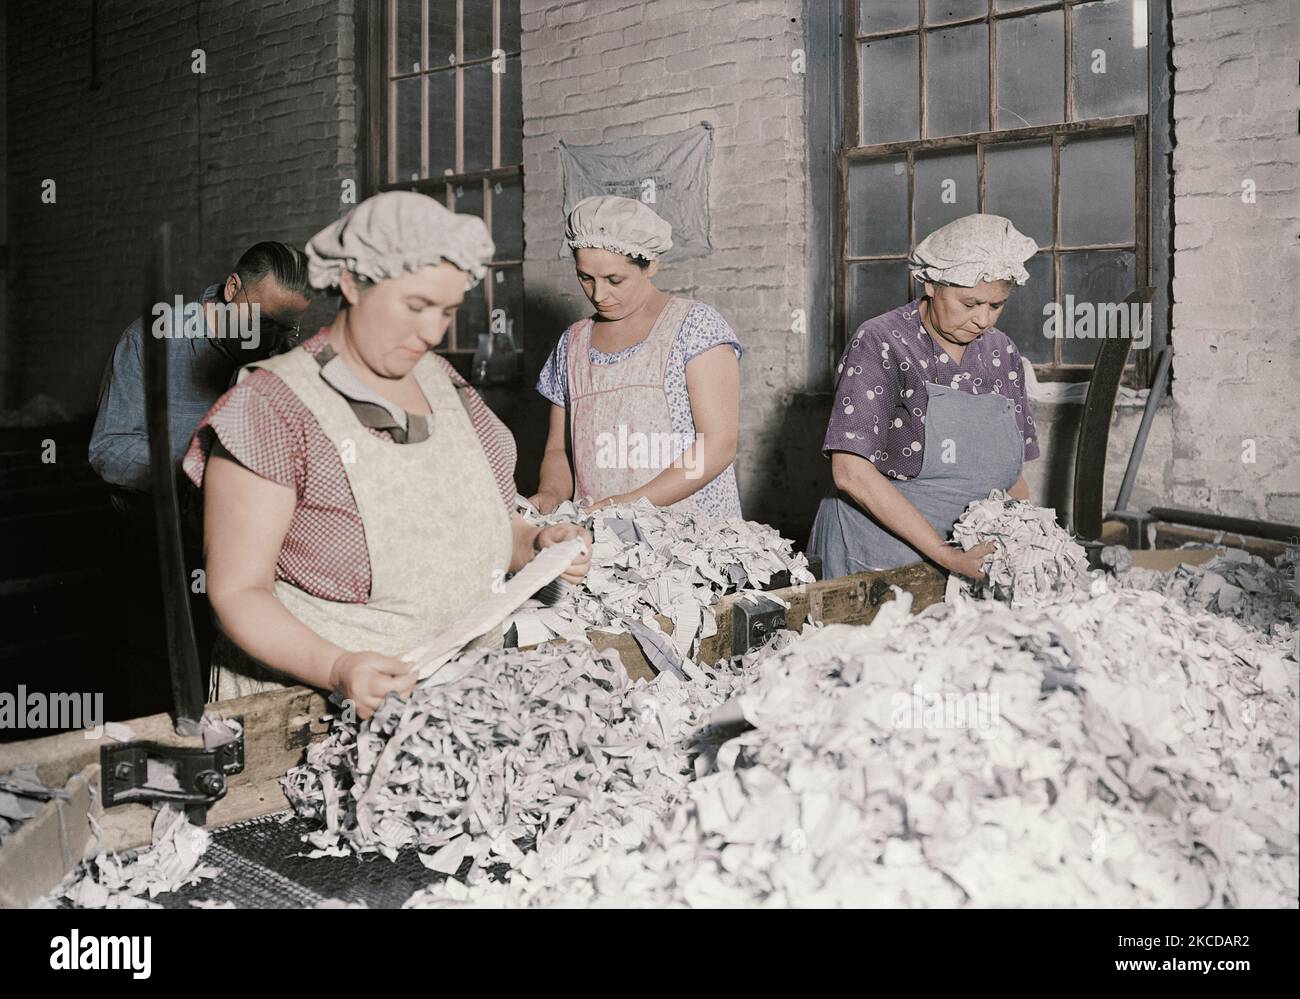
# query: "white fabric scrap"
[[1102, 749], [1035, 557], [110, 881], [650, 561]]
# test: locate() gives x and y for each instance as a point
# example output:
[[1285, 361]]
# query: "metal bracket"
[[190, 775], [754, 619], [1136, 523]]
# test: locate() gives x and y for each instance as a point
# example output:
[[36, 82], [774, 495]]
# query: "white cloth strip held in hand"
[[549, 565]]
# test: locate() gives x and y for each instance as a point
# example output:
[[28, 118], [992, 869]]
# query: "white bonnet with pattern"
[[394, 232], [620, 225], [972, 249]]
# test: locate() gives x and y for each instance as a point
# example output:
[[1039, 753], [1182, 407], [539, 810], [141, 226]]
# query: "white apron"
[[619, 415], [436, 530]]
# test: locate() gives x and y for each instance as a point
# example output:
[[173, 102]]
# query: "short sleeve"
[[553, 382], [261, 423], [703, 329], [865, 396], [1018, 394]]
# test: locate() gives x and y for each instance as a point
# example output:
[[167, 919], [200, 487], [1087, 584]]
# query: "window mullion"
[[460, 86], [424, 88]]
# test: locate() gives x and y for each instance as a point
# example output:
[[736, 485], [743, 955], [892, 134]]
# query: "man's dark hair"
[[287, 263]]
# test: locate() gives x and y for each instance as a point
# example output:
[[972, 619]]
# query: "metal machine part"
[[151, 773], [182, 648], [754, 619]]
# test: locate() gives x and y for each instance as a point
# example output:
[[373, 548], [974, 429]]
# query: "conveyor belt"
[[261, 869]]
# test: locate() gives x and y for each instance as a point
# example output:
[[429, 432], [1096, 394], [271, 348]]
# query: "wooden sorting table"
[[279, 725]]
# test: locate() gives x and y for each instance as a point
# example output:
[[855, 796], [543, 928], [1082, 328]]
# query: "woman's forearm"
[[256, 621], [698, 465], [872, 491], [556, 477]]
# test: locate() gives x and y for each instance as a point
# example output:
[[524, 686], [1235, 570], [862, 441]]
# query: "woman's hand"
[[545, 502], [968, 563], [366, 678], [558, 534]]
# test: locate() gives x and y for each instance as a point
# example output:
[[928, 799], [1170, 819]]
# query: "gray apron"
[[979, 436]]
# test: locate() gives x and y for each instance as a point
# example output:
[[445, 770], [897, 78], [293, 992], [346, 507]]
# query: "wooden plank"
[[47, 846], [1165, 559], [278, 726]]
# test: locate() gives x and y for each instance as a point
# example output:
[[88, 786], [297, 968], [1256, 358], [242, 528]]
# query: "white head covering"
[[620, 225], [972, 249], [394, 232]]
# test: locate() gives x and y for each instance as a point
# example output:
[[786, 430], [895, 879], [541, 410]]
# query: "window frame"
[[376, 25], [1150, 131]]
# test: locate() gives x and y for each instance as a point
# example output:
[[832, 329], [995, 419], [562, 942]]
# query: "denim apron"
[[973, 445]]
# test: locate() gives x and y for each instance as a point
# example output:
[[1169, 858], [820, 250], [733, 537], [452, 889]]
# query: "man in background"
[[254, 313]]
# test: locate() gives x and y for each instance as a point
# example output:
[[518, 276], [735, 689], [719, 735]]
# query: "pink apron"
[[620, 424]]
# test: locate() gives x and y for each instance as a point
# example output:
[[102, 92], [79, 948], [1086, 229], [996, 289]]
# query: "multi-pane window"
[[452, 124], [1035, 111]]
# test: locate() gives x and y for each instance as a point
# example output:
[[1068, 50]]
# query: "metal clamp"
[[191, 775], [754, 619]]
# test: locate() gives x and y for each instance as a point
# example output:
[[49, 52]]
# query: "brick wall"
[[255, 148], [597, 70], [1236, 366]]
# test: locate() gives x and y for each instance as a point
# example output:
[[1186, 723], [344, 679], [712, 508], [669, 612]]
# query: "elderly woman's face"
[[616, 286], [960, 315], [397, 321]]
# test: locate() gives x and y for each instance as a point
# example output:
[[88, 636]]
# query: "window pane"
[[478, 116], [510, 25], [471, 319], [407, 29], [442, 33], [942, 11], [406, 98], [508, 218], [1004, 5], [957, 81], [873, 289], [442, 122], [891, 103], [878, 207], [1031, 70], [886, 15], [1097, 190], [1023, 319], [1096, 278], [512, 114], [946, 189], [467, 198], [478, 28], [508, 296], [1110, 58], [1018, 185]]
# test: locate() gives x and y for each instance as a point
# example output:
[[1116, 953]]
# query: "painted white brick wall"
[[1236, 366]]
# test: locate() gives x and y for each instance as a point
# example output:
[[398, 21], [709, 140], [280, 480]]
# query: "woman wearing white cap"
[[356, 489], [645, 394], [930, 411]]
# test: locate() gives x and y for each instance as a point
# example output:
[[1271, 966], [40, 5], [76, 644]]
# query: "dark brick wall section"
[[255, 148]]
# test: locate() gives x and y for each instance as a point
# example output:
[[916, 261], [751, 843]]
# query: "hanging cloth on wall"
[[670, 173]]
